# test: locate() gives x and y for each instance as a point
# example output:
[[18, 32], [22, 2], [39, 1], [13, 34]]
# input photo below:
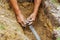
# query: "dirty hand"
[[31, 18], [21, 19]]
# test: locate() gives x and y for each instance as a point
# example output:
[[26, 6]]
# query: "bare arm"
[[15, 6], [20, 17], [32, 17], [36, 5]]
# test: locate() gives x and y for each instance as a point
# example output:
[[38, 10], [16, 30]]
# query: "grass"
[[58, 38], [2, 27], [54, 1]]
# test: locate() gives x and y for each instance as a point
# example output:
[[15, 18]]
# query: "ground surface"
[[11, 30]]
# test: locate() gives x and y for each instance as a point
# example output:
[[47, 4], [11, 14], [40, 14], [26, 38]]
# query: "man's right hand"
[[20, 17], [21, 20]]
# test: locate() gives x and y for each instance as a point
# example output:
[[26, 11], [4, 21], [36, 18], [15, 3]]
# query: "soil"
[[11, 29]]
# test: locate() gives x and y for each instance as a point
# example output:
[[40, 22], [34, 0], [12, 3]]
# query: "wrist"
[[18, 12], [34, 13]]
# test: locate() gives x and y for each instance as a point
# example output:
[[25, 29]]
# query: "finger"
[[30, 23], [29, 18], [32, 20], [23, 24], [20, 22], [25, 21]]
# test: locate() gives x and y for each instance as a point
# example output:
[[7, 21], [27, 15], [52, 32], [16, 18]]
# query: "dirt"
[[11, 29]]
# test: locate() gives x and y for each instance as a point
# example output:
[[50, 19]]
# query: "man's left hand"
[[31, 18]]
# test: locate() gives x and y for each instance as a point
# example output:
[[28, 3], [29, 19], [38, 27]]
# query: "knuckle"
[[33, 19]]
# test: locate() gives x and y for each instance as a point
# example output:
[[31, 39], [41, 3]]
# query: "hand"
[[31, 18], [21, 20]]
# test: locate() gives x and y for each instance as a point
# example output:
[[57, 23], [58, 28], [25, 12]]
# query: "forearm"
[[15, 6], [36, 5]]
